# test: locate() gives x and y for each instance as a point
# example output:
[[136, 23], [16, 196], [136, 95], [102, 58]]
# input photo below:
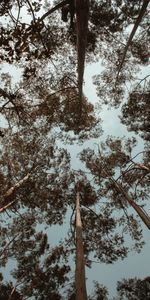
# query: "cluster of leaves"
[[134, 288], [135, 113]]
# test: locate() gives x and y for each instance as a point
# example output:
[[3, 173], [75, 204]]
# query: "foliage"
[[135, 113], [43, 118], [134, 289], [100, 292]]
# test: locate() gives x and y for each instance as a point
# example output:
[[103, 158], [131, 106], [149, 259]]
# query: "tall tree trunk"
[[135, 27], [82, 13], [144, 217], [80, 283]]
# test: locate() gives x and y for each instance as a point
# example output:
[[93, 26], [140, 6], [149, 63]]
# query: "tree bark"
[[135, 27], [144, 217], [82, 14], [81, 293]]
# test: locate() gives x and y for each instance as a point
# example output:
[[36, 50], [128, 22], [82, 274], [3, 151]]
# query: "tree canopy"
[[44, 112]]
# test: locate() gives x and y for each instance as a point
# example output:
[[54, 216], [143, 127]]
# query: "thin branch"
[[18, 13], [32, 11], [143, 79], [2, 107], [11, 98], [56, 7], [6, 247], [131, 159], [49, 12], [114, 37]]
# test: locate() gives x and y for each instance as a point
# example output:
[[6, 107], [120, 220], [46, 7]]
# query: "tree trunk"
[[82, 13], [145, 218], [135, 27], [80, 283]]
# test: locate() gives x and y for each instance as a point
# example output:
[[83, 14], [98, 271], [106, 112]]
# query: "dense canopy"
[[69, 194]]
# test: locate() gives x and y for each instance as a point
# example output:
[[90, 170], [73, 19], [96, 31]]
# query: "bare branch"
[[31, 8]]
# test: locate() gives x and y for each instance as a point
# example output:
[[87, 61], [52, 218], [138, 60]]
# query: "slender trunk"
[[135, 27], [144, 217], [80, 283], [82, 13]]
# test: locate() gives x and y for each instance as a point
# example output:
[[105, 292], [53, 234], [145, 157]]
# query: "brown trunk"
[[135, 27], [145, 218], [82, 13], [80, 283]]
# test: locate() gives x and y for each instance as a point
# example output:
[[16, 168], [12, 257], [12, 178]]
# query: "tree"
[[39, 199], [134, 288], [135, 113], [132, 174], [100, 292]]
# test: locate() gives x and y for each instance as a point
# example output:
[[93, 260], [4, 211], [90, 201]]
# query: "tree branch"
[[118, 186], [59, 5], [12, 190]]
